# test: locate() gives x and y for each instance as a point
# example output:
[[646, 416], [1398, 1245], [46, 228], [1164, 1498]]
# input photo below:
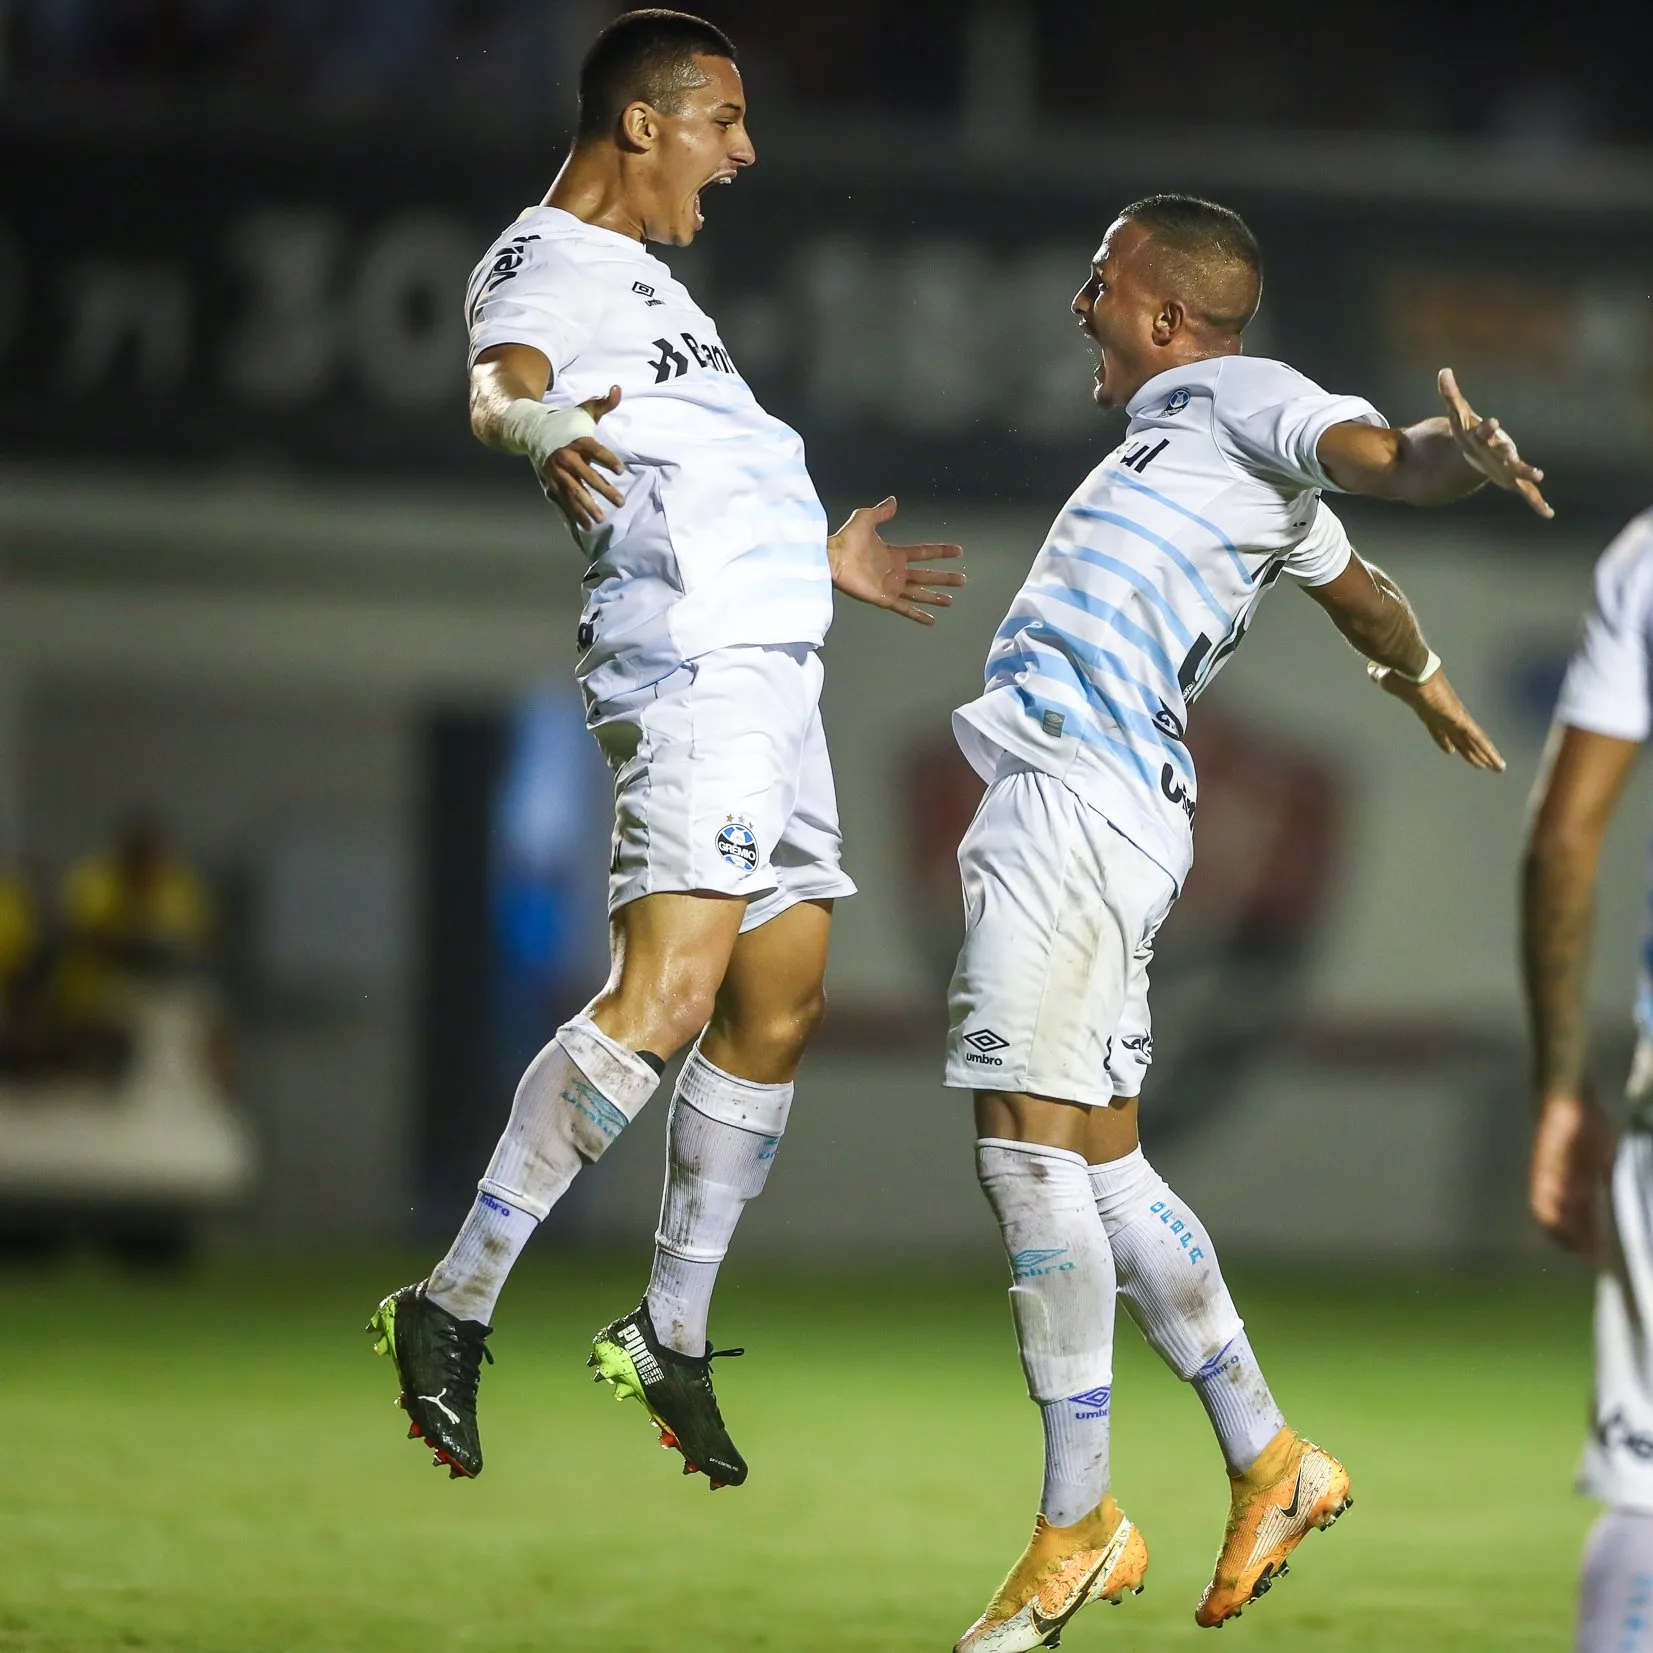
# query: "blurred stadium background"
[[301, 842]]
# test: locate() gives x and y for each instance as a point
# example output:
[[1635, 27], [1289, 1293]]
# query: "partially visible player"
[[1601, 720], [708, 593], [1146, 584]]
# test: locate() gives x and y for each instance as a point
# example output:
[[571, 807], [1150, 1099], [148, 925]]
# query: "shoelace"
[[467, 1373]]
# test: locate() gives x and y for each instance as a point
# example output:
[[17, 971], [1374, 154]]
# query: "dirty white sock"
[[722, 1139], [1170, 1281], [576, 1096], [1061, 1295]]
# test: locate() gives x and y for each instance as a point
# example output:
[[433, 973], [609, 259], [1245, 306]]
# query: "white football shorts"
[[722, 782], [1050, 995], [1618, 1456]]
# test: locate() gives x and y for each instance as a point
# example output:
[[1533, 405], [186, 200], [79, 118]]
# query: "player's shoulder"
[[1624, 571], [546, 244], [1247, 384]]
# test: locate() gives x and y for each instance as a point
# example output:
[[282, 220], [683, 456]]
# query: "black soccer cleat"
[[676, 1391], [439, 1361]]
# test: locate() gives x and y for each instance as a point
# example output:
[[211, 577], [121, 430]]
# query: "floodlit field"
[[214, 1463]]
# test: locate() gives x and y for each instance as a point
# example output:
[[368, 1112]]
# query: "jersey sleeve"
[[1607, 689], [1322, 553], [1268, 419], [532, 293]]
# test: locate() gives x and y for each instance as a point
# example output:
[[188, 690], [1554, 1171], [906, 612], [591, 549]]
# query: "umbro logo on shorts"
[[983, 1042], [737, 843]]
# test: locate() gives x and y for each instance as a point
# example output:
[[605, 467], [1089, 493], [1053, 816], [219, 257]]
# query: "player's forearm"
[[1429, 467], [1558, 881], [1386, 628], [494, 390]]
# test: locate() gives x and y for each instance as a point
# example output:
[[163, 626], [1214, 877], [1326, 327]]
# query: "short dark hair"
[[647, 55], [1210, 250]]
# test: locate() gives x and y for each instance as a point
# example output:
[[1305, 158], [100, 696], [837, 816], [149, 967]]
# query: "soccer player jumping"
[[1145, 585], [708, 593]]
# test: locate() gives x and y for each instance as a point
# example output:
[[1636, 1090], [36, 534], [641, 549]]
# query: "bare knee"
[[764, 1043], [659, 1010]]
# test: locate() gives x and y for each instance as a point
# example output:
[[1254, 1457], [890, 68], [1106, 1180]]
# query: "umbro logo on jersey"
[[1092, 1403], [672, 363], [983, 1042], [1036, 1260], [1168, 723], [647, 293]]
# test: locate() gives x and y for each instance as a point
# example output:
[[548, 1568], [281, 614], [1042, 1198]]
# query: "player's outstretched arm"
[[1373, 613], [507, 415], [890, 576], [1433, 462], [1579, 784]]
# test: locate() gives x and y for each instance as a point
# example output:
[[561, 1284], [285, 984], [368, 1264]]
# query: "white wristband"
[[1430, 667], [538, 431]]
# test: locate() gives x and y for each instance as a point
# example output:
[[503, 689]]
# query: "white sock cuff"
[[1032, 1150], [513, 1197], [621, 1075], [1118, 1185], [730, 1100]]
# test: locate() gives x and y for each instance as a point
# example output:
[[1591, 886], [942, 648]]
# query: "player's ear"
[[1172, 318], [639, 126]]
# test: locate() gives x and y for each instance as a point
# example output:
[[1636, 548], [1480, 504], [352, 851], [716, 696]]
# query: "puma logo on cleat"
[[441, 1405], [632, 1341], [1290, 1511]]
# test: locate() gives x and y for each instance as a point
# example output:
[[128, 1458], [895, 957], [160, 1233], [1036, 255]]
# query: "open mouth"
[[699, 214]]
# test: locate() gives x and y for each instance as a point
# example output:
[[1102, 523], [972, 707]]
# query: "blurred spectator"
[[138, 907]]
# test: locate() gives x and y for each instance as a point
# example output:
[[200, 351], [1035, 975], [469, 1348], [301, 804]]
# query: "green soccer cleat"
[[676, 1391], [439, 1360]]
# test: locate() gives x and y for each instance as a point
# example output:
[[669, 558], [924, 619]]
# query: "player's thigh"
[[705, 766], [772, 995], [808, 856], [1052, 929], [1618, 1453], [670, 953]]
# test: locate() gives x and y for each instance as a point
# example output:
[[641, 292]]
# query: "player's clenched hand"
[[890, 576], [1489, 448], [1443, 714], [1572, 1148], [570, 477]]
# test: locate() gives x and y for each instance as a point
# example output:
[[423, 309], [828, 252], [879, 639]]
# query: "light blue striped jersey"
[[1609, 683], [1146, 584], [721, 540]]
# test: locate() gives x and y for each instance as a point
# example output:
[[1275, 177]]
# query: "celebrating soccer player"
[[1144, 587], [708, 593], [1604, 714]]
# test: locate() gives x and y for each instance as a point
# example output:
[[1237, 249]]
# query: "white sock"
[[721, 1141], [1169, 1278], [577, 1095], [1062, 1296], [1615, 1596]]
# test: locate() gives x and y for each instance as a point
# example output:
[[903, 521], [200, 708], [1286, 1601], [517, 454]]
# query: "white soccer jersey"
[[1147, 582], [1609, 683], [721, 540]]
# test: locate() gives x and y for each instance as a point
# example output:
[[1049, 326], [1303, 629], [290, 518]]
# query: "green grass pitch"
[[214, 1463]]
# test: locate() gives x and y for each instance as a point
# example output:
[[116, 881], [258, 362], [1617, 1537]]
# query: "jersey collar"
[[1162, 384]]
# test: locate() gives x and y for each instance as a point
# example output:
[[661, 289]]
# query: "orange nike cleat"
[[1098, 1558], [1293, 1487]]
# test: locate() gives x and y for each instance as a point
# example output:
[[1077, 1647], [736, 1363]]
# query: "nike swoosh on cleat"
[[1290, 1511]]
